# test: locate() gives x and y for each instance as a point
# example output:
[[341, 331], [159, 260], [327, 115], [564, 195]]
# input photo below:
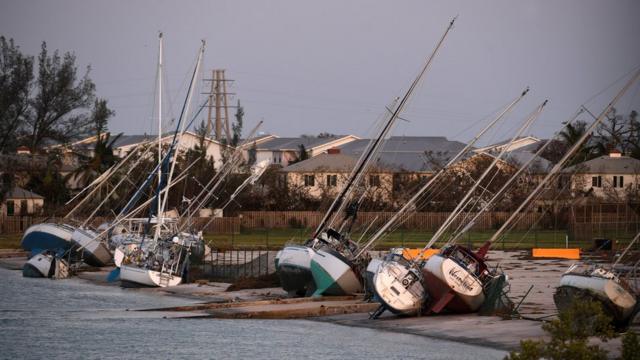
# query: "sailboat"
[[324, 264], [455, 277], [597, 283], [398, 283], [162, 260], [338, 270], [66, 234], [47, 236], [94, 253], [293, 266], [47, 264]]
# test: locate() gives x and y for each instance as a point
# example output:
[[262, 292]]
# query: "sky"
[[306, 67]]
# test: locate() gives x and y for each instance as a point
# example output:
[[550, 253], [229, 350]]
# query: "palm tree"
[[571, 134], [100, 160]]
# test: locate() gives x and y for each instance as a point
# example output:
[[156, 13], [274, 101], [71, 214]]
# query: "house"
[[285, 150], [421, 155], [322, 175], [610, 177], [19, 201], [125, 143], [402, 159], [23, 165]]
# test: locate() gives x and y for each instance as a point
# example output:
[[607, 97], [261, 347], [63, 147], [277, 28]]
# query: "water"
[[74, 319]]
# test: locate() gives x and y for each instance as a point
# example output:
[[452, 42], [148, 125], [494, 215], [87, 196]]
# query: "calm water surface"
[[74, 319]]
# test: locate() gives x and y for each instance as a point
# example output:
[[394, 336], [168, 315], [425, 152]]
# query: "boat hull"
[[398, 288], [447, 281], [46, 265], [145, 277], [616, 301], [47, 236], [293, 266], [95, 252], [40, 265], [370, 273], [333, 274]]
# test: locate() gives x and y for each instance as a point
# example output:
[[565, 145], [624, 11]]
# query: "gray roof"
[[125, 140], [293, 143], [399, 154], [329, 162], [408, 144], [607, 165], [408, 153], [20, 193]]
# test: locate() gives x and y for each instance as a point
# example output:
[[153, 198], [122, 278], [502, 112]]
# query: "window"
[[24, 207], [374, 180], [309, 180], [332, 180], [11, 208], [618, 181], [596, 181], [277, 157]]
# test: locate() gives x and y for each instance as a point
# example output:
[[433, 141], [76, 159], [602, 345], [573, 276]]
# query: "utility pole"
[[218, 105]]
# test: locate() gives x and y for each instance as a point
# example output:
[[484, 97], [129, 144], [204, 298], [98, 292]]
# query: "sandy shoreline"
[[212, 300]]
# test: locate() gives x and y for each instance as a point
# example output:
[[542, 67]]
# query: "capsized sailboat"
[[47, 264], [596, 283], [335, 271], [455, 279], [339, 270], [398, 283], [454, 283], [47, 236]]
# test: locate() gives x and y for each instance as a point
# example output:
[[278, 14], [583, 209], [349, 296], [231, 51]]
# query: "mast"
[[200, 200], [356, 174], [566, 156], [435, 177], [510, 181], [182, 122], [463, 202], [159, 215]]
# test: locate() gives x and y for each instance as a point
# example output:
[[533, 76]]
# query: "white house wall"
[[187, 141]]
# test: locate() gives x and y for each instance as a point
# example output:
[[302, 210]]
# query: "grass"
[[11, 241], [276, 238]]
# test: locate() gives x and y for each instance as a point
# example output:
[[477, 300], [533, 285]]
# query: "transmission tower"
[[218, 105]]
